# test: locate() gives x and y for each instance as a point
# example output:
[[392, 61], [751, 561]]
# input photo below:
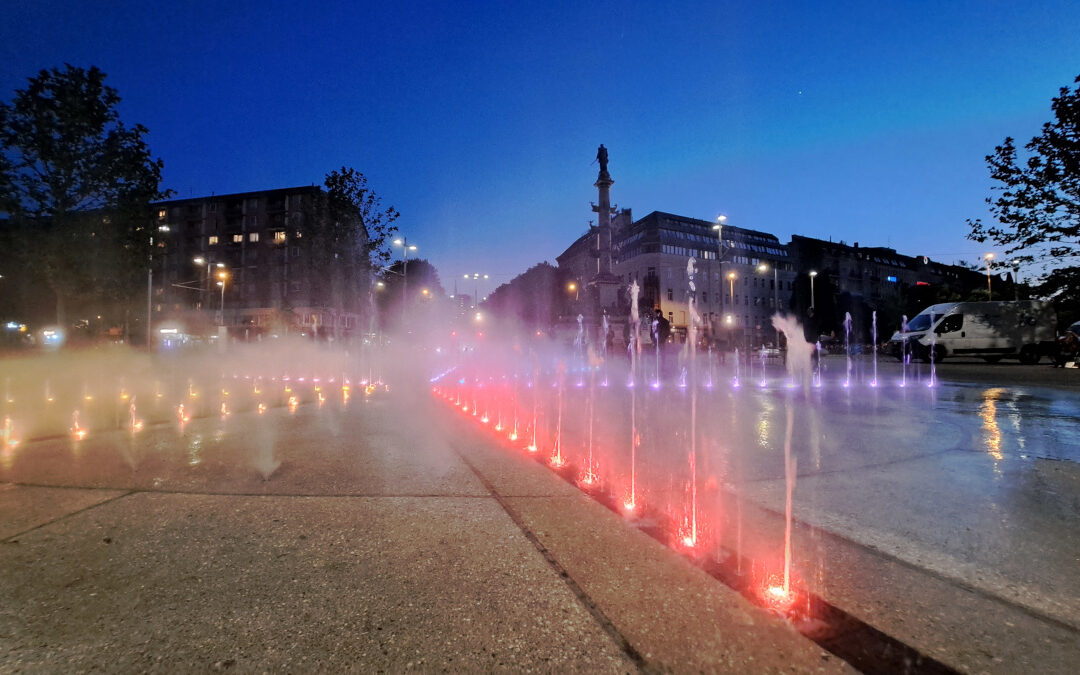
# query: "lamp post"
[[150, 285], [476, 276], [223, 276], [1016, 280], [812, 303], [403, 242], [989, 292], [776, 293], [204, 283]]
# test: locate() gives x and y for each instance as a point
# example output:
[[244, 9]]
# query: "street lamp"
[[812, 305], [1016, 279], [223, 276], [719, 227], [989, 293], [572, 287], [403, 242], [150, 284], [476, 276], [204, 285], [776, 293]]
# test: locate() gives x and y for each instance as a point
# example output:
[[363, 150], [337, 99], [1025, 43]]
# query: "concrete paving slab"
[[1003, 513], [675, 615], [947, 618], [180, 583], [370, 450], [23, 508], [508, 469]]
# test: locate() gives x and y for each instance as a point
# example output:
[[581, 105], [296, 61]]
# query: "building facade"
[[239, 261]]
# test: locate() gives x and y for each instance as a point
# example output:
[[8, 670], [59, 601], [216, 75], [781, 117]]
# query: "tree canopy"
[[76, 184], [1037, 204]]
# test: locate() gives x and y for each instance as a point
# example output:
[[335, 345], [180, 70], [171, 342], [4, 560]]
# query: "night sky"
[[860, 121]]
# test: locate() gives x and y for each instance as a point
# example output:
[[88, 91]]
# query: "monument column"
[[605, 283]]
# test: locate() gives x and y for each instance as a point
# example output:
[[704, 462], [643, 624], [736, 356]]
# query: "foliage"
[[354, 213], [535, 297], [400, 282], [76, 183], [1038, 197], [345, 239]]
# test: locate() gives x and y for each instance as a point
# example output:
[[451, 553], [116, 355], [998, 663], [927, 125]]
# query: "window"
[[237, 238], [950, 324], [212, 240], [161, 214], [279, 237], [296, 251], [669, 295], [254, 236]]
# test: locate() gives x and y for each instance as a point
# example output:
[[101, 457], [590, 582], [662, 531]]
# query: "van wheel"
[[1029, 355], [991, 359], [939, 354]]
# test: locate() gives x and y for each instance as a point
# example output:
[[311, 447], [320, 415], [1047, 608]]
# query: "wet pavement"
[[386, 532], [364, 536]]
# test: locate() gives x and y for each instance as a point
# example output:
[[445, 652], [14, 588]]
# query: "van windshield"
[[920, 322]]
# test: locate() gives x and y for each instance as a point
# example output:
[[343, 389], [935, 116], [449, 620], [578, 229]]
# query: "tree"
[[346, 241], [533, 298], [420, 281], [1038, 202], [77, 184]]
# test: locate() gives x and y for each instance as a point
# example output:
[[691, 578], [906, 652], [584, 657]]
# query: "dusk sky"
[[860, 121]]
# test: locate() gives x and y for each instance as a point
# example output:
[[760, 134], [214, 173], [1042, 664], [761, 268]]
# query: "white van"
[[991, 330]]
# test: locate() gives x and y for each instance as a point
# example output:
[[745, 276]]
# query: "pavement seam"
[[590, 605], [65, 516], [330, 495]]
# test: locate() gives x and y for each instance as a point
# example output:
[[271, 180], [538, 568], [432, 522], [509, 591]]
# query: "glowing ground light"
[[224, 409], [777, 598], [182, 414], [293, 403], [531, 448], [262, 408], [9, 433], [513, 436]]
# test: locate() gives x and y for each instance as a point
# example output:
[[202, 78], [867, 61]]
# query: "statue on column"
[[601, 156]]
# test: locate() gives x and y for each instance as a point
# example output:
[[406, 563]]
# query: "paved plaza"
[[390, 534]]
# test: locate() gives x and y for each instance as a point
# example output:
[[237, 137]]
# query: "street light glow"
[[813, 273]]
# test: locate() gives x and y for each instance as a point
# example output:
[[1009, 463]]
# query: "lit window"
[[212, 240], [279, 237], [161, 214], [299, 234], [254, 236], [237, 238]]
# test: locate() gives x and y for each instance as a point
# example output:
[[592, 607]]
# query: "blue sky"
[[860, 121]]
